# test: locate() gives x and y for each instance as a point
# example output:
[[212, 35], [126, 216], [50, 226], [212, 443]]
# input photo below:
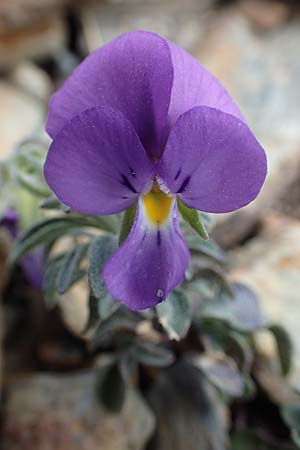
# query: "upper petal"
[[133, 74], [150, 263], [213, 161], [97, 164], [194, 86]]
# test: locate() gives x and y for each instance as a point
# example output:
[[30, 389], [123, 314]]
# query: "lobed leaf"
[[284, 347], [174, 315], [127, 222], [110, 386], [222, 372], [70, 267], [100, 251], [153, 355]]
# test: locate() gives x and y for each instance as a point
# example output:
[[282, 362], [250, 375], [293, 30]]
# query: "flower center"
[[157, 205]]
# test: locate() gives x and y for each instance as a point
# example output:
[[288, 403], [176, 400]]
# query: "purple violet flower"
[[33, 263], [140, 120]]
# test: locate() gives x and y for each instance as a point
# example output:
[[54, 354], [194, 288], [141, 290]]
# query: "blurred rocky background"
[[252, 46]]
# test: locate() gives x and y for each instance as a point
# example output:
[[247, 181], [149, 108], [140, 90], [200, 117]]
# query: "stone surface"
[[74, 307], [266, 15], [184, 24], [270, 264], [261, 71], [44, 38], [31, 79], [47, 412], [20, 114]]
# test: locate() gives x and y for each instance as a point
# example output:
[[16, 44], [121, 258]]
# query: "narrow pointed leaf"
[[100, 251], [50, 281], [70, 267], [193, 218], [48, 230], [222, 371], [154, 355], [110, 387], [284, 347], [174, 315], [127, 222]]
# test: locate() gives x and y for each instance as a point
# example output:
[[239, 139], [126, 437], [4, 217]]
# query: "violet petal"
[[213, 161], [133, 74], [96, 164], [149, 264]]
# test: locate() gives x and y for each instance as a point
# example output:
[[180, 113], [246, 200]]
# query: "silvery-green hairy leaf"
[[193, 218], [291, 415], [120, 320], [174, 315], [153, 355], [207, 248], [52, 202], [107, 306], [50, 281], [110, 386], [284, 347], [49, 230], [70, 267], [100, 251], [221, 371], [127, 222], [241, 312]]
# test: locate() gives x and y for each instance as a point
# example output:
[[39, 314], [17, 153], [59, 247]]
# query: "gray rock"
[[47, 412], [270, 264], [186, 24], [261, 71], [20, 114], [39, 39]]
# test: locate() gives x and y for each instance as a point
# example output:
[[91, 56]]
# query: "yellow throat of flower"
[[157, 205]]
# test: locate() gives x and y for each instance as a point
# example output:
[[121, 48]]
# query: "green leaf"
[[50, 281], [249, 440], [70, 267], [100, 251], [110, 387], [222, 372], [296, 437], [284, 347], [174, 315], [291, 415], [52, 202], [122, 319], [48, 230], [93, 313], [240, 309], [153, 355], [107, 306], [207, 248], [127, 222], [193, 218]]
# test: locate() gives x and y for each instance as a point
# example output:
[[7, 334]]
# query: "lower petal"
[[150, 263]]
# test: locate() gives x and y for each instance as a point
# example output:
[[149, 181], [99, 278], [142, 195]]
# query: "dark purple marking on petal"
[[127, 183], [183, 185], [158, 237], [177, 174]]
